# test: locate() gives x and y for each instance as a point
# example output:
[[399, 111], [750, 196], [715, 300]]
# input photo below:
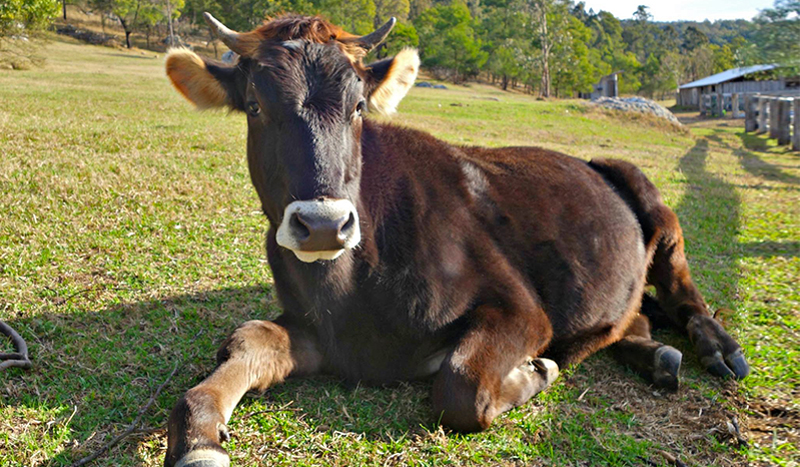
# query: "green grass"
[[131, 240]]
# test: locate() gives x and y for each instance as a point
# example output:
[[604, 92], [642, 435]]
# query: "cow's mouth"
[[312, 256], [322, 229]]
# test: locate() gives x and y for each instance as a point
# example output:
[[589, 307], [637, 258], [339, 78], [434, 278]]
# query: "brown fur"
[[297, 27]]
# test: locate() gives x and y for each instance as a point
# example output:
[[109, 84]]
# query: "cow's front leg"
[[493, 368], [256, 356]]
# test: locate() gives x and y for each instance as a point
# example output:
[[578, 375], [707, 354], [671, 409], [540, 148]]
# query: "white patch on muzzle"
[[330, 208]]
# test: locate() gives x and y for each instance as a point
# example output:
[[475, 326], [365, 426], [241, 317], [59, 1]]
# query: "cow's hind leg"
[[656, 362], [680, 300], [257, 355], [493, 369], [669, 272]]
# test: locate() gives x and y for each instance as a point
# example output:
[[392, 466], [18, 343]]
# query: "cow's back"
[[553, 217], [577, 241]]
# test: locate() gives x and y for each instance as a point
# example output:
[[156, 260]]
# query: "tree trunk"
[[505, 83], [545, 52], [64, 8], [169, 22], [127, 31]]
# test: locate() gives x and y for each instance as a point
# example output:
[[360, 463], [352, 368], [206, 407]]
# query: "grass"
[[131, 241]]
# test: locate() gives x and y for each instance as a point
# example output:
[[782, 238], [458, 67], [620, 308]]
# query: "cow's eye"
[[361, 107], [253, 109]]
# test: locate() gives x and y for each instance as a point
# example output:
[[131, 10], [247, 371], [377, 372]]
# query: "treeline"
[[550, 47]]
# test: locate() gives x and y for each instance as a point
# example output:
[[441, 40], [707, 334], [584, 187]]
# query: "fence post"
[[774, 103], [762, 114], [720, 104], [796, 136], [735, 105], [784, 122], [702, 102], [750, 102]]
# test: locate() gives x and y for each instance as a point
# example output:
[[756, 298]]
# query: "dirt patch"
[[687, 424]]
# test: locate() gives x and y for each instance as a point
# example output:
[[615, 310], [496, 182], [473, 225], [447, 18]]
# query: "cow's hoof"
[[666, 367], [547, 368], [738, 364], [204, 458], [719, 353]]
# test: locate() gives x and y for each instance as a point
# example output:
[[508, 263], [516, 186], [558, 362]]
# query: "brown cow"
[[398, 256]]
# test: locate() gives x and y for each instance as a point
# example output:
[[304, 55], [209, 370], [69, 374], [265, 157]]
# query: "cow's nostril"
[[351, 221], [299, 226]]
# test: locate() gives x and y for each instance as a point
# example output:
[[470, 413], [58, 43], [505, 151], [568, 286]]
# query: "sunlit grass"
[[131, 238]]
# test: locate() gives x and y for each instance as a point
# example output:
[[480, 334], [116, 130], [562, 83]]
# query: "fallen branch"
[[19, 359], [671, 459], [133, 427]]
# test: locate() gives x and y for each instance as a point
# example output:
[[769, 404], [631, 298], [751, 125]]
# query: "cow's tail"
[[636, 189]]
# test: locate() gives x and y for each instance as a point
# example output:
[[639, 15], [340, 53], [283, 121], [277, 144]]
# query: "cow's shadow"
[[97, 369]]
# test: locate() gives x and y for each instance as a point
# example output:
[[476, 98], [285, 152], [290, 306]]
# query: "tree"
[[542, 7], [573, 67], [385, 9], [506, 31], [778, 34], [356, 16], [693, 38], [403, 35], [722, 57], [641, 15], [18, 16], [19, 19], [126, 11], [449, 41], [607, 33]]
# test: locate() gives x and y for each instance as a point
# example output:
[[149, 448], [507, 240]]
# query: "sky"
[[695, 10]]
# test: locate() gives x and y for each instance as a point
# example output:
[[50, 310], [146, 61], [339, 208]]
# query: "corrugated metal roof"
[[728, 75]]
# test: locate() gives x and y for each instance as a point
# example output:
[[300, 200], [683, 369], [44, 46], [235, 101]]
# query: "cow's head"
[[301, 83]]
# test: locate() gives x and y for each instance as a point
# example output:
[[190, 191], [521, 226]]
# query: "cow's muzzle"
[[319, 229]]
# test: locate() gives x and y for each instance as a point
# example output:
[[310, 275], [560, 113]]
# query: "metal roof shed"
[[736, 80]]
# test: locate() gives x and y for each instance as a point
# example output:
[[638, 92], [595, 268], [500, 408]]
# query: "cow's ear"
[[390, 80], [207, 84]]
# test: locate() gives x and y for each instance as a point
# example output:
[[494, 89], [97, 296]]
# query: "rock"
[[87, 36], [636, 104], [425, 84], [177, 42]]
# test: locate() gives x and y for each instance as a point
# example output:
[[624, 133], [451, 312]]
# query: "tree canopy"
[[551, 47]]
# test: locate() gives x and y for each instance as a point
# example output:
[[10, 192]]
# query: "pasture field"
[[131, 244]]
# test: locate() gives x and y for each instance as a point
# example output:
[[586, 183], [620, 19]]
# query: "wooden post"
[[762, 114], [720, 104], [773, 117], [796, 135], [702, 102], [784, 121], [734, 105], [750, 102]]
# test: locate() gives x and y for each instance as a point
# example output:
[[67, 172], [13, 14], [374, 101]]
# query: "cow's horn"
[[373, 39], [228, 37]]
